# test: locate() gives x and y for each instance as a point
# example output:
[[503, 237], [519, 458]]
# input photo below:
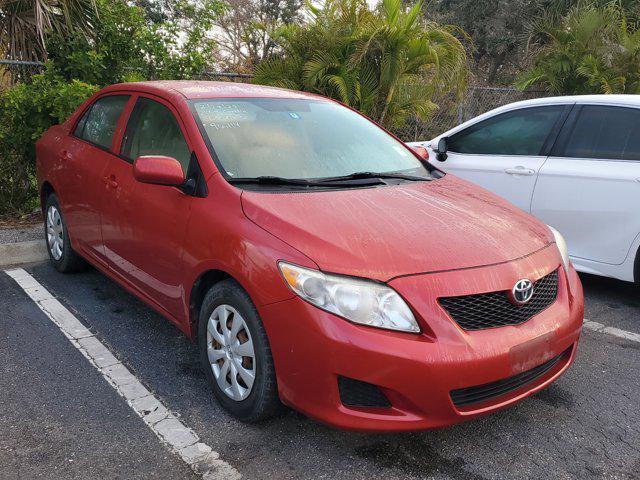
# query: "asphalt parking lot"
[[61, 419]]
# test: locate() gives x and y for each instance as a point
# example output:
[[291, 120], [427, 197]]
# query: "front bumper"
[[417, 373]]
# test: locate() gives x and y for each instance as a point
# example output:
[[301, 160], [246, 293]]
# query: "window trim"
[[552, 138], [207, 141], [134, 114], [87, 110], [548, 143], [560, 147]]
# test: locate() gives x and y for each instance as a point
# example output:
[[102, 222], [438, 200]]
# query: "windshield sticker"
[[294, 115], [216, 114], [222, 126]]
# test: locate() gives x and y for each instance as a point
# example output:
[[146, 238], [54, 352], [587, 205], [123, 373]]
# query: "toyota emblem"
[[522, 291]]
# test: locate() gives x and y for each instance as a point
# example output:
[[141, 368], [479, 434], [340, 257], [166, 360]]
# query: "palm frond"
[[592, 49], [25, 24], [371, 59]]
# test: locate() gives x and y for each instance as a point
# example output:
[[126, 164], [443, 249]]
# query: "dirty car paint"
[[385, 232]]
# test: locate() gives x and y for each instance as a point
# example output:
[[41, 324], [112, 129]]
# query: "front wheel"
[[235, 353], [62, 256]]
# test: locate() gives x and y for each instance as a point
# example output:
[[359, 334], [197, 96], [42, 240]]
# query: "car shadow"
[[614, 292]]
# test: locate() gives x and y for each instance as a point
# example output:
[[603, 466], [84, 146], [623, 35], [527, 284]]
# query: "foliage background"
[[26, 111], [389, 63], [111, 41], [593, 48], [501, 30]]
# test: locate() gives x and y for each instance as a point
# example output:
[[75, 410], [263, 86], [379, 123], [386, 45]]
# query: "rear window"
[[98, 125], [606, 133]]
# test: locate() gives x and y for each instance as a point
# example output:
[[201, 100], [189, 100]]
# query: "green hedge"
[[26, 111]]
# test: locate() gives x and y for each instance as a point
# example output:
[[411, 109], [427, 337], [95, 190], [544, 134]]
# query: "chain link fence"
[[450, 111], [14, 71]]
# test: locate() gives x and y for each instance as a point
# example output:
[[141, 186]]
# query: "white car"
[[573, 162]]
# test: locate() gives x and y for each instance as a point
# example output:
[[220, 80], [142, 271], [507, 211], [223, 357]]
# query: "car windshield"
[[298, 139]]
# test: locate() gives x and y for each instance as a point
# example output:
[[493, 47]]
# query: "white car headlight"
[[360, 301], [562, 247]]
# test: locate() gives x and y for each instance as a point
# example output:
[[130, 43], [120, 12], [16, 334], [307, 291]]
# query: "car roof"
[[613, 99], [194, 89]]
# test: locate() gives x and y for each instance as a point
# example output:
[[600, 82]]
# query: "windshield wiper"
[[302, 182], [376, 175]]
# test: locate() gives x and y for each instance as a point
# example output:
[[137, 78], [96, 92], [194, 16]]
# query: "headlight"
[[359, 301], [562, 247]]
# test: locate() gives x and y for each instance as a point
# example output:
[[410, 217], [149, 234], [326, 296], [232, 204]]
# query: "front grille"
[[468, 396], [354, 393], [494, 309]]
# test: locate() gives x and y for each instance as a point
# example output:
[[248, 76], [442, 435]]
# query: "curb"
[[22, 252]]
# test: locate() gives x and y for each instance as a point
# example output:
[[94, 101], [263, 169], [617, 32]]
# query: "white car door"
[[504, 153], [589, 189]]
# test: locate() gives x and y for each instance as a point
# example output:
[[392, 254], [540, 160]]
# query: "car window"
[[520, 132], [98, 125], [153, 130], [605, 132]]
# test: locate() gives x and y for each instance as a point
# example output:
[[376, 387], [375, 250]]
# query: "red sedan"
[[317, 260]]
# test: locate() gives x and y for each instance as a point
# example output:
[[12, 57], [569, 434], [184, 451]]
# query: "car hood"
[[388, 231]]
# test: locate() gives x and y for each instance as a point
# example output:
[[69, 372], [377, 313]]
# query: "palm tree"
[[592, 49], [615, 68], [388, 63], [24, 24]]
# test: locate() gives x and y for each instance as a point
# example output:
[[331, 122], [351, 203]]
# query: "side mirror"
[[422, 152], [441, 151], [158, 170]]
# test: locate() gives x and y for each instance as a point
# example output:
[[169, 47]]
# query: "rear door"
[[144, 225], [84, 156], [504, 153], [589, 189]]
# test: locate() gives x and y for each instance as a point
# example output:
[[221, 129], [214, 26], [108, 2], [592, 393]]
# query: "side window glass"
[[99, 124], [80, 126], [521, 132], [605, 132], [153, 130]]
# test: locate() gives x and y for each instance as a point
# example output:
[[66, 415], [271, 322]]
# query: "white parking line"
[[171, 431], [616, 332]]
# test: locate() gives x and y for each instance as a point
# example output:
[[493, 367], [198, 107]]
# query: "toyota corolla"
[[318, 261]]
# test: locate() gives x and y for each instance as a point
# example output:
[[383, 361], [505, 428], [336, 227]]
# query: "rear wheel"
[[235, 353], [61, 255]]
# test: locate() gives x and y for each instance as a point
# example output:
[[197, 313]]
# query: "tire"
[[249, 403], [56, 235]]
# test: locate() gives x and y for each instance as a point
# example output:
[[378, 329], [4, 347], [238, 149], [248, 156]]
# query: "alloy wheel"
[[231, 353], [55, 232]]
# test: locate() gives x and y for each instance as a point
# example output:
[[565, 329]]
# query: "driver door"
[[504, 153], [144, 225]]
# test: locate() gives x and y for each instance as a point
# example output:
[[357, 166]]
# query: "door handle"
[[519, 170], [111, 181]]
